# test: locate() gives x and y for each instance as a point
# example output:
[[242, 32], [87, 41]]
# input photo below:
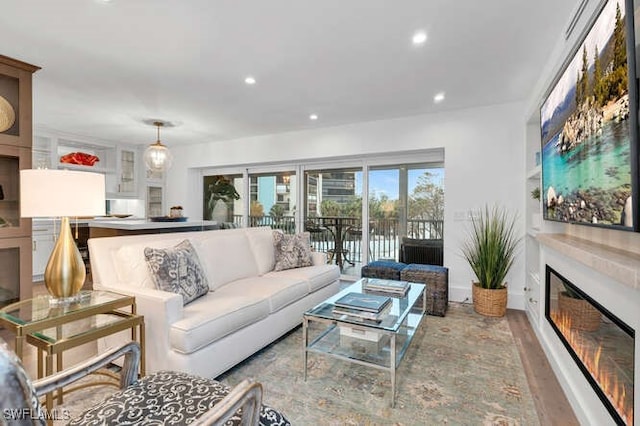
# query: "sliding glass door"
[[405, 201], [273, 198], [333, 215]]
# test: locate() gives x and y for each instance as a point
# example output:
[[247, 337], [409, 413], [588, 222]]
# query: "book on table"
[[386, 286], [363, 302], [363, 315]]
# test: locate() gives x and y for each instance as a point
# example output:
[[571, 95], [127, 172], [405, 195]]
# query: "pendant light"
[[157, 156]]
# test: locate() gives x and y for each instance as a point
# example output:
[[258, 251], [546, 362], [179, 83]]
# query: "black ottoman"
[[436, 279], [386, 269]]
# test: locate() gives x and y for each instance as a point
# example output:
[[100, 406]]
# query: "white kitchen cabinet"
[[119, 163], [155, 201], [126, 172], [43, 241]]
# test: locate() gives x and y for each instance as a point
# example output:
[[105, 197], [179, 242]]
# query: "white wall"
[[483, 150], [618, 299]]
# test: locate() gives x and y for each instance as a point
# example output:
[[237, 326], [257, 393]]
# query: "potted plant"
[[490, 252], [221, 193]]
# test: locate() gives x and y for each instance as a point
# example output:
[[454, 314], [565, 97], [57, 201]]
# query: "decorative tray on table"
[[168, 219]]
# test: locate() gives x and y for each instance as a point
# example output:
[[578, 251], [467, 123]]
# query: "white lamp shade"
[[61, 193]]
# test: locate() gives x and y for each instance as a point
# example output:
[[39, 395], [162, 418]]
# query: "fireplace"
[[600, 343]]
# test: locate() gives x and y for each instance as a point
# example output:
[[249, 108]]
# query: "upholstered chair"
[[164, 397]]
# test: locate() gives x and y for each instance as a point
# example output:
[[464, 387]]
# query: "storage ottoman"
[[386, 269], [436, 279]]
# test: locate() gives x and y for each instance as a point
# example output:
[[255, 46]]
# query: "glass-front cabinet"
[[155, 201], [15, 269], [12, 159], [126, 173], [15, 154]]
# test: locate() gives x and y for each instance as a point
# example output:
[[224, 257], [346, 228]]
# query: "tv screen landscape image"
[[588, 129]]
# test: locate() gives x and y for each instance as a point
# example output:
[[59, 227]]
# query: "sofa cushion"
[[177, 269], [261, 241], [316, 277], [279, 290], [291, 251], [131, 264], [226, 257], [214, 316]]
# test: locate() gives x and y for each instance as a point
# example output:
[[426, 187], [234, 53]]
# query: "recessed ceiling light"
[[439, 97], [250, 80], [313, 117], [419, 37]]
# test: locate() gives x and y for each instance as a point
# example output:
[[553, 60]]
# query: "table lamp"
[[62, 193]]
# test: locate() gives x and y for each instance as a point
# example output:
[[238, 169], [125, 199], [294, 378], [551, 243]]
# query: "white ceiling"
[[107, 66]]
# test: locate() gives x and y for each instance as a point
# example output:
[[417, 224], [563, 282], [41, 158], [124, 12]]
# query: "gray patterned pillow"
[[292, 251], [178, 270]]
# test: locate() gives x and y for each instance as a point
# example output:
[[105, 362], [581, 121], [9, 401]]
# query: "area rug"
[[461, 369]]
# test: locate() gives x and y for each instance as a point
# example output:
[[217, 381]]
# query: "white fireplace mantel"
[[609, 275], [623, 266]]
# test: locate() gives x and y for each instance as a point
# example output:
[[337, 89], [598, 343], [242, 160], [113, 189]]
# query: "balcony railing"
[[384, 234]]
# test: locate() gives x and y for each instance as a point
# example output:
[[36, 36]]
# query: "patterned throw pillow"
[[178, 270], [292, 251]]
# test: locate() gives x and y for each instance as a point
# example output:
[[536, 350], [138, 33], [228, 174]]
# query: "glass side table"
[[52, 329]]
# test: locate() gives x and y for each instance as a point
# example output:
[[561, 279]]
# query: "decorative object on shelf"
[[7, 115], [79, 158], [157, 156], [175, 211], [62, 193], [535, 193], [490, 252], [221, 193]]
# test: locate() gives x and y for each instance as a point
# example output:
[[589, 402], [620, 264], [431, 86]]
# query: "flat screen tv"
[[589, 127]]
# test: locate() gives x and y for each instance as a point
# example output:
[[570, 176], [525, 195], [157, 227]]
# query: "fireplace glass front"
[[600, 343]]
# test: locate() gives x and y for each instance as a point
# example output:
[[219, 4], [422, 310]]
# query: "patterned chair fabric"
[[16, 392], [163, 398], [160, 398]]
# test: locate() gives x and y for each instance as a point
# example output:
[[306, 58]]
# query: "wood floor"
[[551, 403]]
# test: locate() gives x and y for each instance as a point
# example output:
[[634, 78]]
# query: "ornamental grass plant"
[[491, 247]]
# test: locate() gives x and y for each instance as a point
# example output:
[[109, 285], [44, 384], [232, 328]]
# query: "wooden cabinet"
[[15, 154]]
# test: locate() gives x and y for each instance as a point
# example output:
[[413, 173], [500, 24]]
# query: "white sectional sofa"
[[250, 305]]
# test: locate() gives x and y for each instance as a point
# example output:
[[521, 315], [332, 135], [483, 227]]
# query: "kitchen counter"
[[116, 227]]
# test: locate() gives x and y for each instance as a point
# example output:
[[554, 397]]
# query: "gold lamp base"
[[65, 272]]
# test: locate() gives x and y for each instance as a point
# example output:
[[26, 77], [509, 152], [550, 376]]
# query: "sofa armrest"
[[160, 310], [318, 258]]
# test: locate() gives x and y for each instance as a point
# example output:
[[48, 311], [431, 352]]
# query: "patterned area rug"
[[463, 369]]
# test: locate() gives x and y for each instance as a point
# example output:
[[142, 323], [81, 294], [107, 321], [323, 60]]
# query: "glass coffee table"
[[379, 345]]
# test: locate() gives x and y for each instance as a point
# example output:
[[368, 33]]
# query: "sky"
[[597, 36], [386, 181]]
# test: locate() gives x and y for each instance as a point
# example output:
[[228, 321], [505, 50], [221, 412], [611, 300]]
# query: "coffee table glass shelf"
[[380, 345]]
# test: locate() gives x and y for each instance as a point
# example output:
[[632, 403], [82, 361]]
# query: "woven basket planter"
[[489, 302], [582, 314]]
